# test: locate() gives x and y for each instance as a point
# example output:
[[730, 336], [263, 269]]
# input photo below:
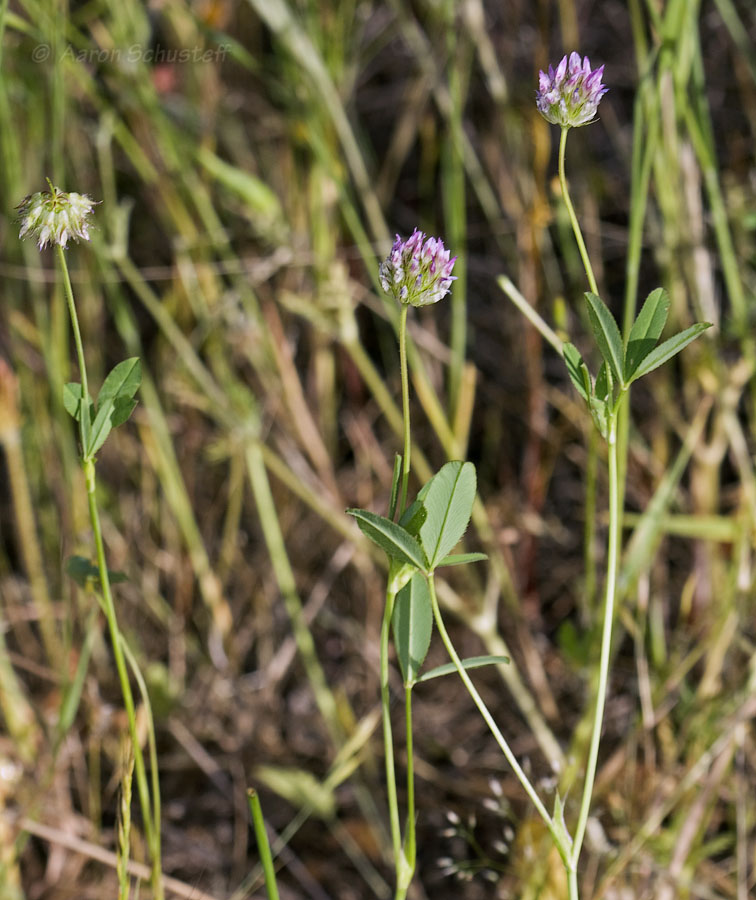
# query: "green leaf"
[[395, 478], [461, 559], [607, 335], [413, 625], [123, 407], [390, 537], [122, 381], [413, 517], [87, 575], [101, 427], [474, 662], [448, 497], [669, 348], [577, 370], [72, 400], [599, 414], [601, 389], [646, 330], [560, 828], [115, 402]]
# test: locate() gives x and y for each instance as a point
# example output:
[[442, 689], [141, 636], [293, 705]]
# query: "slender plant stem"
[[88, 467], [152, 744], [405, 407], [115, 638], [573, 218], [263, 846], [410, 842], [606, 637], [388, 741], [489, 720], [84, 413], [572, 884]]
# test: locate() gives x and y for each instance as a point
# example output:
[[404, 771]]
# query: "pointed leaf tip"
[[671, 347], [390, 537], [608, 338], [646, 330]]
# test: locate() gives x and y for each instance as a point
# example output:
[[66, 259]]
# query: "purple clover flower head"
[[569, 96], [417, 271]]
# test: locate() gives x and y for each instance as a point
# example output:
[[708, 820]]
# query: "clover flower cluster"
[[54, 216], [417, 272], [569, 96]]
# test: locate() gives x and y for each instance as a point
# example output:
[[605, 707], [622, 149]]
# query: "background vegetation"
[[249, 188]]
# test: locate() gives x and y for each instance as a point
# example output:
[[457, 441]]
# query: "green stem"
[[489, 720], [571, 212], [572, 884], [388, 741], [263, 846], [405, 407], [88, 466], [84, 412], [606, 638], [410, 842]]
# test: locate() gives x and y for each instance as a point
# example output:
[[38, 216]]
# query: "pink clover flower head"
[[570, 94], [418, 271], [54, 216]]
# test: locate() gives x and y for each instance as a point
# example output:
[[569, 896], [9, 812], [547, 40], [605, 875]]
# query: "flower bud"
[[52, 217], [417, 272], [570, 95]]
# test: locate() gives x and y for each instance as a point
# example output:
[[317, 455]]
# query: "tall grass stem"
[[263, 845]]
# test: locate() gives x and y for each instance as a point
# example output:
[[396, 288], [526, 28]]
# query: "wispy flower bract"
[[417, 272], [54, 216], [569, 96]]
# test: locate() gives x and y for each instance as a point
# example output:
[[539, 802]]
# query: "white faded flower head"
[[54, 216], [417, 272], [570, 94]]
